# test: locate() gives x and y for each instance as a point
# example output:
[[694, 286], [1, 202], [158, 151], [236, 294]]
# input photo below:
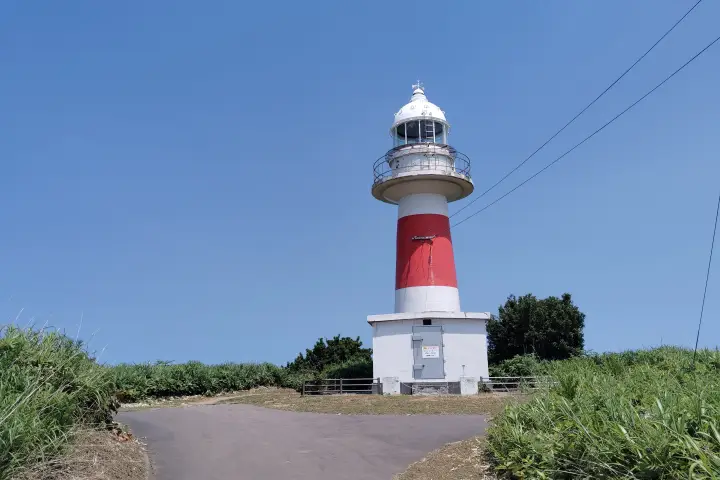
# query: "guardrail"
[[338, 386], [438, 157]]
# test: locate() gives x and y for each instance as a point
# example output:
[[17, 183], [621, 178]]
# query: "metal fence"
[[367, 386], [338, 386]]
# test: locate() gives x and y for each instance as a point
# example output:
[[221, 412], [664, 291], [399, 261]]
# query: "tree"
[[551, 328], [328, 352]]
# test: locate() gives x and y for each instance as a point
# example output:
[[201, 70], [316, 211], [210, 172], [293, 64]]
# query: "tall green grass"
[[162, 379], [137, 382], [48, 386], [635, 415]]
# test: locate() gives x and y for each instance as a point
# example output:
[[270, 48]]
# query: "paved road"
[[244, 442]]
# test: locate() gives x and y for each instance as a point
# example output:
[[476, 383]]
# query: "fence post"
[[303, 389], [341, 386]]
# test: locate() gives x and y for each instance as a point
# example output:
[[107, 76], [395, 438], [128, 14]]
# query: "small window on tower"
[[427, 321]]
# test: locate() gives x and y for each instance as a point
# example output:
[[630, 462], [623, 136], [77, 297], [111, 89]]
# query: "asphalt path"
[[245, 442]]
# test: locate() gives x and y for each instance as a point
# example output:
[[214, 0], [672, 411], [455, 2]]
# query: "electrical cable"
[[591, 135], [579, 114], [707, 278]]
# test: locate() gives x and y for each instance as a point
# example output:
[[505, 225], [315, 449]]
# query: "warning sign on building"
[[430, 351]]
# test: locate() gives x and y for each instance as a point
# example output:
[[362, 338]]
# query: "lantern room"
[[420, 154], [419, 122]]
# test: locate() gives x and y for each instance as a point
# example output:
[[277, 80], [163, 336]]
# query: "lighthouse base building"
[[436, 350], [428, 343]]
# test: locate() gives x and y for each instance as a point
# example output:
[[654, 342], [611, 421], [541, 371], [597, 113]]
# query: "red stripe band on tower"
[[424, 252]]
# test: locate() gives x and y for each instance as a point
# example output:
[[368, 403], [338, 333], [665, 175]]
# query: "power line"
[[707, 278], [592, 134], [581, 112]]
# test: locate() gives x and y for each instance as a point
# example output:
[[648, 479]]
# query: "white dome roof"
[[419, 107]]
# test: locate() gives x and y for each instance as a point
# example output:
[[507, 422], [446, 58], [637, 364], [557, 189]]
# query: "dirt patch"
[[175, 402], [464, 460], [96, 455], [284, 399]]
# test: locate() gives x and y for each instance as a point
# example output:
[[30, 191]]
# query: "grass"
[[94, 455], [634, 415], [136, 382], [647, 414], [286, 399], [466, 460], [49, 386]]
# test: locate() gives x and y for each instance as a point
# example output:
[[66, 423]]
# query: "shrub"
[[519, 366], [642, 414], [332, 351], [552, 328], [295, 380], [353, 368]]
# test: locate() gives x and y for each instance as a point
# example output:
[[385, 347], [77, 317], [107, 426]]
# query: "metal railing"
[[367, 386], [338, 386], [514, 384], [436, 156]]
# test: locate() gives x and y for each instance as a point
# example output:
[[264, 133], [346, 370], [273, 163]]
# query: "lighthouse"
[[428, 342]]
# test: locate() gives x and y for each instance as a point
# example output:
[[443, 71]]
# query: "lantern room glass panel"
[[420, 131]]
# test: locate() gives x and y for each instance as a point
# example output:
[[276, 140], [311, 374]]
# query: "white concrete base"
[[468, 386], [464, 340], [391, 385]]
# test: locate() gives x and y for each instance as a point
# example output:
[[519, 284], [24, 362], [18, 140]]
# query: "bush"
[[331, 351], [295, 380], [551, 328], [337, 357], [48, 386], [519, 366], [644, 414], [353, 368]]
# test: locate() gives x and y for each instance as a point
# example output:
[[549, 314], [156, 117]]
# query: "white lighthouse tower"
[[428, 341]]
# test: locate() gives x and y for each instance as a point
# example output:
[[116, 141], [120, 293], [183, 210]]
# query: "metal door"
[[428, 359]]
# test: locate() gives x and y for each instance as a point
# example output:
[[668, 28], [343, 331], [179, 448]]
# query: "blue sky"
[[194, 180]]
